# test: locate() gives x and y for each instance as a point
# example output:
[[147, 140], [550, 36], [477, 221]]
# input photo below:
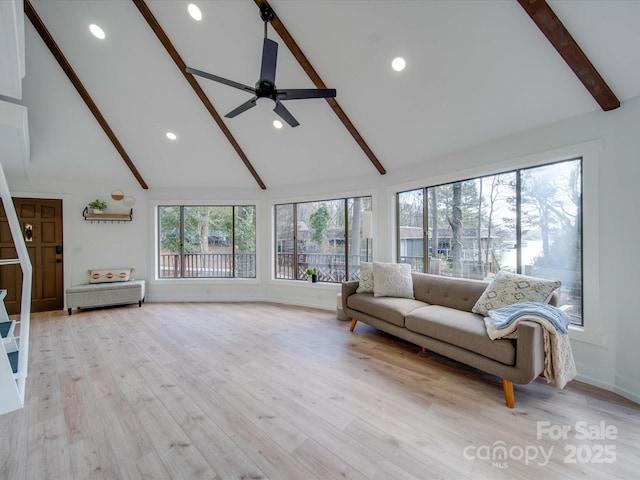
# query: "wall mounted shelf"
[[107, 217]]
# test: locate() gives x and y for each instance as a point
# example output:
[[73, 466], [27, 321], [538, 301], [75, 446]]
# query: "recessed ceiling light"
[[97, 31], [398, 64], [195, 12], [171, 136], [277, 124]]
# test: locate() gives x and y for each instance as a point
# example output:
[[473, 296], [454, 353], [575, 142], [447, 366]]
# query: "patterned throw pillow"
[[509, 288], [366, 278], [110, 275], [392, 280]]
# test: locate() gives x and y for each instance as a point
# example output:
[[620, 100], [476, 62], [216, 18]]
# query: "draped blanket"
[[559, 365]]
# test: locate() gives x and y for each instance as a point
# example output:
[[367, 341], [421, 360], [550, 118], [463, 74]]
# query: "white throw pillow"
[[366, 278], [392, 280], [509, 288]]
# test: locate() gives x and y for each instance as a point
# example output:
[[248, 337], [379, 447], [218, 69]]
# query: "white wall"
[[623, 238], [605, 352]]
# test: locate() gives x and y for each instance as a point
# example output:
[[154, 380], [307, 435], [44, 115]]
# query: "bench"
[[105, 294]]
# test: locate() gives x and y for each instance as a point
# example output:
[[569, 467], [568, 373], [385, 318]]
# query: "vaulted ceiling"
[[476, 70]]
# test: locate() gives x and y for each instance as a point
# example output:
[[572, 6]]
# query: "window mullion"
[[519, 221], [425, 231], [346, 238], [182, 257], [295, 241]]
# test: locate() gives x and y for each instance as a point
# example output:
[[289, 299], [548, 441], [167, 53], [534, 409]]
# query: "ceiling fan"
[[266, 85]]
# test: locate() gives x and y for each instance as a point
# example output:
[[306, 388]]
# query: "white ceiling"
[[476, 70]]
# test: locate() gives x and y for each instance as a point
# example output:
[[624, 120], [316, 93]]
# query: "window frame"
[[517, 172], [294, 204], [182, 205]]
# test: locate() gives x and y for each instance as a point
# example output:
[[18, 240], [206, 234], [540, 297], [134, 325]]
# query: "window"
[[332, 236], [207, 241], [526, 221]]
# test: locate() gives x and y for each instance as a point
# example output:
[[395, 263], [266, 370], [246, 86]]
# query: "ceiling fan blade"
[[242, 108], [285, 114], [298, 94], [215, 78], [269, 58]]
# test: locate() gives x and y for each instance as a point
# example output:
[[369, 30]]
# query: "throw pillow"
[[110, 275], [509, 288], [392, 280], [366, 278]]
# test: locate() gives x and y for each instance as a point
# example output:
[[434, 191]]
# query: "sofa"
[[439, 318]]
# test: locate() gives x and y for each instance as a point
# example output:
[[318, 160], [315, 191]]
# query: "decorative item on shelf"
[[129, 201], [117, 195], [98, 206], [312, 276]]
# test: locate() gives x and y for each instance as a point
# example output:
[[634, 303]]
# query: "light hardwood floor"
[[256, 391]]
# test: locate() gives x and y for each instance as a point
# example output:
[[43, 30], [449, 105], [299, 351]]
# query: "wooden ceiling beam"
[[182, 66], [552, 28], [291, 44], [44, 33]]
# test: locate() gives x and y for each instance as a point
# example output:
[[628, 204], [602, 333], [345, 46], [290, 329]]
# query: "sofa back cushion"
[[458, 293]]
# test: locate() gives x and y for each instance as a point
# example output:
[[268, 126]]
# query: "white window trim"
[[593, 330], [153, 208]]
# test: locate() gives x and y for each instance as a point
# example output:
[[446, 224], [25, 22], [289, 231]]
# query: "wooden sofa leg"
[[507, 386], [353, 324]]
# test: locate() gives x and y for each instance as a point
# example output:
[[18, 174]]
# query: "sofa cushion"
[[508, 288], [366, 278], [463, 329], [392, 280], [459, 293], [391, 309]]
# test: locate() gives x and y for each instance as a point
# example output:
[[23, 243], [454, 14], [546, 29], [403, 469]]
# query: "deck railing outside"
[[329, 267], [208, 265]]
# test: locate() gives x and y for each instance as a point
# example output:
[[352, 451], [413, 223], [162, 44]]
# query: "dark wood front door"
[[41, 223]]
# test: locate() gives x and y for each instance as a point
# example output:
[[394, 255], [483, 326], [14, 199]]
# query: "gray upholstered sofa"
[[440, 319]]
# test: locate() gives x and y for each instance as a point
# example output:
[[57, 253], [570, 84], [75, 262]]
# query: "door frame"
[[66, 228]]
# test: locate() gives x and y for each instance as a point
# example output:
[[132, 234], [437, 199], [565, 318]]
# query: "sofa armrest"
[[530, 352], [348, 288]]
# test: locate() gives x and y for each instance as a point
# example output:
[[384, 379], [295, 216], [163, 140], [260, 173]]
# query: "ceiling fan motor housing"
[[265, 89]]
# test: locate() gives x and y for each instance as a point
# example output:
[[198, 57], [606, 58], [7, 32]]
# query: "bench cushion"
[[103, 294]]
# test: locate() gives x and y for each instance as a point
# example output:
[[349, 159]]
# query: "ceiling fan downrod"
[[266, 14]]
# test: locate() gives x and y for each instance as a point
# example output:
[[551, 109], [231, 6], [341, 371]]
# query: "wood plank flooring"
[[266, 391]]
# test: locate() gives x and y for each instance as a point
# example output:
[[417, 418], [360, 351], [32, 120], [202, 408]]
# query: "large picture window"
[[330, 236], [526, 221], [207, 241]]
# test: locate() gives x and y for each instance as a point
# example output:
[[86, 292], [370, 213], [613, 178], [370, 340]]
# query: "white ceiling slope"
[[476, 70]]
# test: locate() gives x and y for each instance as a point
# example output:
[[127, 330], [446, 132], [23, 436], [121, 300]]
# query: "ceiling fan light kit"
[[265, 87]]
